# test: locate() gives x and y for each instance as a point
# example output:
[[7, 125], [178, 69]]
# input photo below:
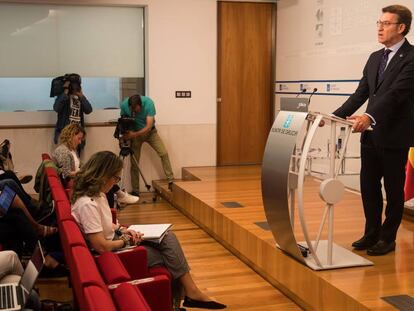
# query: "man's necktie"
[[383, 64]]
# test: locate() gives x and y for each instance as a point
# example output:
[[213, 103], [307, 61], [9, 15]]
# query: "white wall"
[[181, 55], [338, 52]]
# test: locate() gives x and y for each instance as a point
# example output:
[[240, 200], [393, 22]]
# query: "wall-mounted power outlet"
[[182, 94]]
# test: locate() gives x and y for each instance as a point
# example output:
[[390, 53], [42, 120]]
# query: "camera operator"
[[71, 106], [143, 110]]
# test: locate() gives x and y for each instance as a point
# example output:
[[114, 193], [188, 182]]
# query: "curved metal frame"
[[302, 166], [279, 147], [276, 185]]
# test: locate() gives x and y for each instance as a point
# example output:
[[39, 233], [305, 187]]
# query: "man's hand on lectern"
[[361, 123]]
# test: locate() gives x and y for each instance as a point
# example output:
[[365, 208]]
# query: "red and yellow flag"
[[409, 176]]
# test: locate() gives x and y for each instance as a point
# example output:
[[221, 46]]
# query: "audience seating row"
[[110, 281]]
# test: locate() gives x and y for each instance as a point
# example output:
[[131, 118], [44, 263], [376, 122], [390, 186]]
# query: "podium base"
[[341, 257]]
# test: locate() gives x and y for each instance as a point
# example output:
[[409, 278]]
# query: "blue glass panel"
[[32, 94]]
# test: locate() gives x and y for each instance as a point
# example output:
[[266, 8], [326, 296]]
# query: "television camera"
[[124, 125], [57, 85]]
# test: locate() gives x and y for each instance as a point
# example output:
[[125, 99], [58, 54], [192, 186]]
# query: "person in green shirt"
[[143, 110]]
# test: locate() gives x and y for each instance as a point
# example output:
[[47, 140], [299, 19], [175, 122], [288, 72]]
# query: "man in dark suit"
[[388, 83]]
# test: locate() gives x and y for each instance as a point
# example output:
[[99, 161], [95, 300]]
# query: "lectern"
[[281, 178]]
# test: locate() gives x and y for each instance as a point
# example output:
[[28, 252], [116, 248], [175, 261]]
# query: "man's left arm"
[[400, 92], [86, 105], [148, 126]]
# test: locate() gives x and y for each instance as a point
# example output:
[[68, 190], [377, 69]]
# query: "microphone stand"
[[302, 92]]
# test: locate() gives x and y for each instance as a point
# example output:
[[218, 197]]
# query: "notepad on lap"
[[152, 232]]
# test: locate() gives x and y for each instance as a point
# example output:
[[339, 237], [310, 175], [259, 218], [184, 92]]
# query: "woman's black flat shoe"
[[192, 303]]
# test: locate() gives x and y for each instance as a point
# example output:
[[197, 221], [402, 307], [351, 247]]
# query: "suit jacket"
[[391, 100]]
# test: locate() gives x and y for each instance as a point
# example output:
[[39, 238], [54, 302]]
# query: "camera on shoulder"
[[57, 85]]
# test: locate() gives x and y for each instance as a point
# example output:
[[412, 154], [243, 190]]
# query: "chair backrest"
[[70, 236], [63, 211], [83, 272], [127, 295], [57, 190], [51, 171], [46, 156], [97, 298], [111, 268]]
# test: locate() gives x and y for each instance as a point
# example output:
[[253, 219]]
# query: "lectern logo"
[[288, 121]]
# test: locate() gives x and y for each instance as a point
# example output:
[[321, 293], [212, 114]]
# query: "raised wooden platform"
[[203, 194]]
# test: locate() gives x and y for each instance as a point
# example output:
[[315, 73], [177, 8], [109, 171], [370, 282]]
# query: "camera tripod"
[[124, 153]]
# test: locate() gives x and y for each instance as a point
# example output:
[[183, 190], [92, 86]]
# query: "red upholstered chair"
[[112, 269], [114, 218], [58, 192], [51, 171], [83, 273], [70, 236], [135, 262], [98, 298], [69, 188], [156, 289], [45, 156], [126, 295], [63, 211]]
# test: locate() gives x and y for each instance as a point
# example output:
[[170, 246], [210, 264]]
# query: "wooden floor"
[[200, 196], [216, 271]]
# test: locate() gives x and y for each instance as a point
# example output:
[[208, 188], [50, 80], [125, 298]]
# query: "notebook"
[[6, 198], [14, 296], [153, 232]]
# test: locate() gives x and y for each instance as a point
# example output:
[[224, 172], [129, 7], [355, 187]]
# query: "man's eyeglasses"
[[117, 178], [385, 24]]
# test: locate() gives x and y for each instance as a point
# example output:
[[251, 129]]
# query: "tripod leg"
[[121, 183], [140, 172]]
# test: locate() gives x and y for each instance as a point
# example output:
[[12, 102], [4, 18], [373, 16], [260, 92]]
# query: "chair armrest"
[[127, 295], [134, 261], [159, 270], [111, 268], [156, 291]]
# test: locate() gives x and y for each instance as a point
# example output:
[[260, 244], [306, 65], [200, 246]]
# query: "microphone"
[[303, 91], [313, 92]]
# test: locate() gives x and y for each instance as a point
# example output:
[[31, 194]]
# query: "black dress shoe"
[[192, 303], [364, 243], [381, 248]]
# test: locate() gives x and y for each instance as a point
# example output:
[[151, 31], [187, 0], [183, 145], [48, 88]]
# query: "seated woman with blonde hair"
[[66, 158], [91, 210]]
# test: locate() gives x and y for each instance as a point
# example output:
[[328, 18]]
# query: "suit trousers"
[[377, 163]]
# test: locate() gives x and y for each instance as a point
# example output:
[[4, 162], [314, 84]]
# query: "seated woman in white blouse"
[[91, 210]]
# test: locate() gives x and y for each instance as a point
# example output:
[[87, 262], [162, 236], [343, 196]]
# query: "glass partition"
[[105, 45]]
